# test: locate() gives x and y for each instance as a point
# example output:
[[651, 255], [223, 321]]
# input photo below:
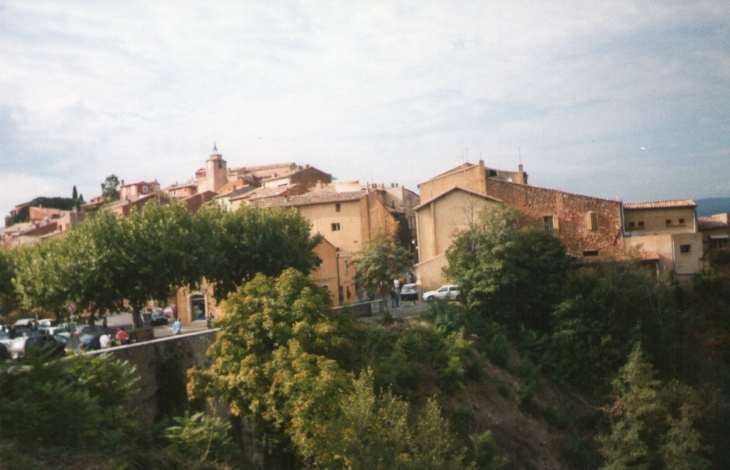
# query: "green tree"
[[252, 240], [511, 275], [74, 194], [276, 357], [652, 422], [381, 261], [110, 188], [43, 276], [7, 273], [374, 432]]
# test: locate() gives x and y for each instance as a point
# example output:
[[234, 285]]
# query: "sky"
[[626, 99]]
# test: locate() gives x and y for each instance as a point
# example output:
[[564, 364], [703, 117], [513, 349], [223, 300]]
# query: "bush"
[[201, 437]]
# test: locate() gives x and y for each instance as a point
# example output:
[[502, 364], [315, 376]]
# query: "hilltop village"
[[666, 235]]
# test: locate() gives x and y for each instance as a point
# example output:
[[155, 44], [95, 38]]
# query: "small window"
[[145, 189], [641, 224], [684, 249], [718, 244], [590, 252], [681, 221], [347, 267], [547, 223], [220, 164], [631, 225], [337, 208], [335, 227], [668, 221]]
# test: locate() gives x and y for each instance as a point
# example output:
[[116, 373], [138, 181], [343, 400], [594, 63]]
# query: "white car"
[[449, 291]]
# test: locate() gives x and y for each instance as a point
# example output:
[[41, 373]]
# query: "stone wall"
[[161, 368], [569, 212]]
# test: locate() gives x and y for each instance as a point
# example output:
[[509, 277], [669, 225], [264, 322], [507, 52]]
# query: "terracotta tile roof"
[[251, 169], [670, 204], [707, 223], [310, 199]]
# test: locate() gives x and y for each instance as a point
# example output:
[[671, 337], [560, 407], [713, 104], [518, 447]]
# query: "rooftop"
[[310, 199], [670, 204], [707, 223]]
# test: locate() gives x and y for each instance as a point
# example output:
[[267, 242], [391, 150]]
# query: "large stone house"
[[588, 226]]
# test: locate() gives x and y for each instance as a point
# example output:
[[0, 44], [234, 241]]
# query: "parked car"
[[4, 353], [24, 323], [48, 345], [48, 326], [448, 291], [409, 292], [157, 317]]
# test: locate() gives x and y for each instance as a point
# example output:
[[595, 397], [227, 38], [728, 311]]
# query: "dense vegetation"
[[625, 369], [109, 261]]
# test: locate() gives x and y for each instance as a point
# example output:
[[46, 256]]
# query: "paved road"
[[125, 319]]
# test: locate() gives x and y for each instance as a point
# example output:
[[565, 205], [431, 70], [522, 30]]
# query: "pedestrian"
[[177, 327], [209, 321], [105, 341], [397, 296], [122, 336], [392, 297], [104, 322]]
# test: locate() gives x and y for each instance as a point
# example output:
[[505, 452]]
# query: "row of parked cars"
[[410, 292], [51, 339]]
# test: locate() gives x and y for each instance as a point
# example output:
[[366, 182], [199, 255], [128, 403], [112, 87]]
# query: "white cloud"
[[371, 90]]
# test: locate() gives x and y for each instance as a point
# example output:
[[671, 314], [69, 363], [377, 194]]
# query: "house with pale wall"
[[669, 228], [347, 216], [439, 220]]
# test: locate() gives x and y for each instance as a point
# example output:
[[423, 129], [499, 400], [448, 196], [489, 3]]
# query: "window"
[[718, 243], [347, 267], [590, 252], [335, 227], [668, 221], [145, 189], [641, 224], [133, 190], [220, 164], [681, 221], [547, 222], [591, 221], [337, 208], [684, 249], [631, 225]]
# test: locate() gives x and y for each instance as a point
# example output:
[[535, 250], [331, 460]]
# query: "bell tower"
[[216, 171]]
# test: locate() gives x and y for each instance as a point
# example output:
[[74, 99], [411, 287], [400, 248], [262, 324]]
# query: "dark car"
[[157, 317], [46, 345], [409, 292]]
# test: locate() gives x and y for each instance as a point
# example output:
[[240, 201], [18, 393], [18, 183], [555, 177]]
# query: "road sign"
[[71, 307]]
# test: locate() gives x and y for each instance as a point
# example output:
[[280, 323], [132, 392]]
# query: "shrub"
[[200, 437]]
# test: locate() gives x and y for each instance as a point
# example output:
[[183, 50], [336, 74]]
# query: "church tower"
[[216, 172]]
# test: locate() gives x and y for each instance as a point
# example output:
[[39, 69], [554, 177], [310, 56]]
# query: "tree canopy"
[[381, 261], [511, 273], [110, 188]]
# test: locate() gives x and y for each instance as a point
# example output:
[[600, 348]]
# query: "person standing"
[[105, 341], [122, 336], [177, 327]]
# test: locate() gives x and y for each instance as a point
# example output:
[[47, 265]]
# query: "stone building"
[[588, 226]]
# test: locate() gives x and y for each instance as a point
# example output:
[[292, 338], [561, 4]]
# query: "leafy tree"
[[374, 432], [200, 437], [252, 240], [110, 188], [276, 357], [41, 403], [511, 275], [379, 262], [7, 273], [652, 422], [43, 276]]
